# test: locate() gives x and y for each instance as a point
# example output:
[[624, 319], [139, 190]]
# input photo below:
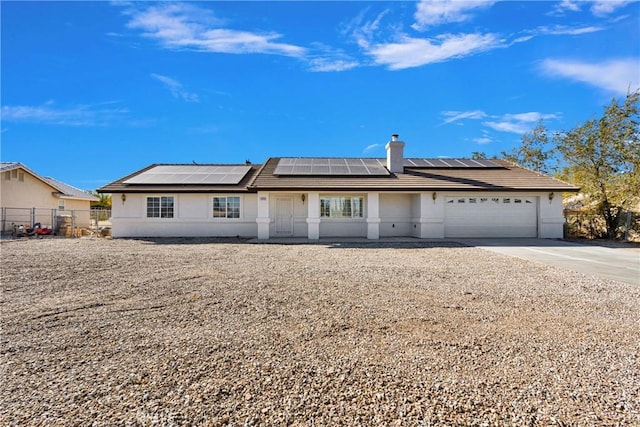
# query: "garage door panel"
[[491, 217]]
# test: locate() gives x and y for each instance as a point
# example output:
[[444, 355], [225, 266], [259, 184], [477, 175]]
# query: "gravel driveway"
[[212, 332]]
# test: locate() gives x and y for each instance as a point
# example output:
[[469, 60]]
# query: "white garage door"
[[504, 216]]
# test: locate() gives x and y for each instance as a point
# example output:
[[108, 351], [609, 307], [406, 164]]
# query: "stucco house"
[[340, 197], [22, 189]]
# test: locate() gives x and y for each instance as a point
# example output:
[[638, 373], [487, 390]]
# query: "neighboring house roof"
[[65, 191], [418, 175], [159, 178]]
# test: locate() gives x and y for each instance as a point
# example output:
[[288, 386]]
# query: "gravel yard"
[[222, 332]]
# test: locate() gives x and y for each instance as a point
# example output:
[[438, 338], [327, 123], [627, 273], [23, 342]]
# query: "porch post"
[[313, 216], [431, 215], [263, 218], [373, 216]]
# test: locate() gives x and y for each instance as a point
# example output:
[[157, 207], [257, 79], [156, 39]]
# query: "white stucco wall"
[[193, 217], [396, 215]]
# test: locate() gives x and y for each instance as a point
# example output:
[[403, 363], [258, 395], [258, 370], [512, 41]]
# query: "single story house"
[[26, 198], [340, 197]]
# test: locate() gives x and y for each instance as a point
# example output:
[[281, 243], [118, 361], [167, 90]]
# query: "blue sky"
[[92, 91]]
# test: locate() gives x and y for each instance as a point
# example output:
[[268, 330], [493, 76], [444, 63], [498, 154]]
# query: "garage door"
[[490, 217]]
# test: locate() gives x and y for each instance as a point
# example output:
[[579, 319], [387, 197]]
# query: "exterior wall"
[[396, 215], [193, 217], [30, 193], [550, 218], [419, 215]]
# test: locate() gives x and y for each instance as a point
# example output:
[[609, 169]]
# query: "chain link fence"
[[67, 223]]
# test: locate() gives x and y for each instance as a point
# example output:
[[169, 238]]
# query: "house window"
[[506, 200], [21, 176], [160, 207], [226, 207], [60, 205], [517, 200], [341, 207], [472, 200], [14, 174], [7, 176]]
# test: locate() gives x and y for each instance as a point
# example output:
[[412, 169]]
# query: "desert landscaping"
[[225, 332]]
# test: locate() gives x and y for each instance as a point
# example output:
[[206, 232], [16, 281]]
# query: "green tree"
[[602, 156], [478, 155], [104, 202], [535, 152]]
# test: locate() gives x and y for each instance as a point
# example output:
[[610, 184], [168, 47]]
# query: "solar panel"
[[450, 163], [330, 167], [191, 174]]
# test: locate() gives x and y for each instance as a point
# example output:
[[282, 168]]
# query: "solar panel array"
[[331, 166], [450, 163], [190, 174]]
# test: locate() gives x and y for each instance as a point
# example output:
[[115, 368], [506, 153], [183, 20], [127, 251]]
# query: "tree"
[[104, 202], [602, 156], [535, 152], [478, 155]]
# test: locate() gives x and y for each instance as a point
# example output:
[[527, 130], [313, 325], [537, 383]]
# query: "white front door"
[[284, 216]]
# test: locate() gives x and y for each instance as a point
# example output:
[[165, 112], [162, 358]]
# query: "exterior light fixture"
[[124, 198], [303, 197], [551, 196], [434, 196]]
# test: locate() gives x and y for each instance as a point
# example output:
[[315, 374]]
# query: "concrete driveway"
[[621, 264]]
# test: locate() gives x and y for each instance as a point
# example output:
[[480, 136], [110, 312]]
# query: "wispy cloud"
[[454, 116], [510, 122], [599, 8], [615, 76], [430, 13], [370, 148], [519, 123], [175, 88], [413, 52], [77, 115], [559, 30], [187, 26]]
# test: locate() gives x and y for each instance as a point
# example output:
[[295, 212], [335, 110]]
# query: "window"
[[14, 174], [341, 207], [472, 200], [226, 207], [21, 176], [517, 200], [160, 207], [60, 205], [7, 176], [505, 200]]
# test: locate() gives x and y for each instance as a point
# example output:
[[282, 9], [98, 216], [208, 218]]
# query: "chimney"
[[395, 154]]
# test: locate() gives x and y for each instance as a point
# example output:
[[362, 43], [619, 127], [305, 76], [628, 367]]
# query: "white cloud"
[[176, 88], [434, 12], [615, 76], [606, 7], [519, 123], [412, 52], [599, 8], [559, 30], [454, 116], [78, 115], [483, 140], [370, 148], [186, 26]]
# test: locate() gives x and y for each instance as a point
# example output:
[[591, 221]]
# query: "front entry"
[[284, 216]]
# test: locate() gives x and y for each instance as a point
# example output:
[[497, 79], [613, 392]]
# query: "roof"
[[161, 178], [418, 175], [64, 191], [499, 175]]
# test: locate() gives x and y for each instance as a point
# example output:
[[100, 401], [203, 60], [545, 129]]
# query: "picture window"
[[226, 207], [341, 207]]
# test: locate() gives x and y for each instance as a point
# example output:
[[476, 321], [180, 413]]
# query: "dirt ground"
[[223, 332]]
